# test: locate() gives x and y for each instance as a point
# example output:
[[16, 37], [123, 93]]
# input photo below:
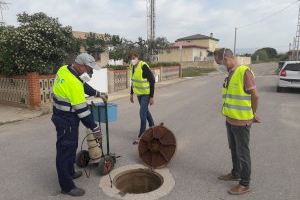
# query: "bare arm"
[[254, 99]]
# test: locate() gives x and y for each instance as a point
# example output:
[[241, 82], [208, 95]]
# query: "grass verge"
[[194, 71]]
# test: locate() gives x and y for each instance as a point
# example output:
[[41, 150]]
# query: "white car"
[[289, 75]]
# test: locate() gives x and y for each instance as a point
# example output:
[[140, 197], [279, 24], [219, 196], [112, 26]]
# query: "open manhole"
[[138, 181], [156, 149]]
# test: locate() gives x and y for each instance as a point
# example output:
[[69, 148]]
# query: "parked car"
[[289, 75]]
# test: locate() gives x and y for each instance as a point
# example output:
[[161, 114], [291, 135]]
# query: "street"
[[192, 110]]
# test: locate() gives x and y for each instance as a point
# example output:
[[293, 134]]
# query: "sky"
[[175, 19]]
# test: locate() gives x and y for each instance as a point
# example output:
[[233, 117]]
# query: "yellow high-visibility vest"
[[140, 85], [68, 93], [236, 102]]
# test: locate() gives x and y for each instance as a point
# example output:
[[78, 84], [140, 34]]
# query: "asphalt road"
[[191, 109]]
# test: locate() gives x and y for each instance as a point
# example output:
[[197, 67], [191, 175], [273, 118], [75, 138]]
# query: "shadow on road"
[[273, 89], [291, 90]]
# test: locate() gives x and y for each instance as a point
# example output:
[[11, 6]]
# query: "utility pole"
[[151, 15], [180, 51], [234, 48], [298, 36], [294, 49], [3, 6], [151, 26]]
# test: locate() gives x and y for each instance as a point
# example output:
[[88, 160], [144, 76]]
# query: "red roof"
[[186, 44]]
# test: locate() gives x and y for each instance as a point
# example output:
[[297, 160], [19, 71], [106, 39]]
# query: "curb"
[[47, 109], [25, 118]]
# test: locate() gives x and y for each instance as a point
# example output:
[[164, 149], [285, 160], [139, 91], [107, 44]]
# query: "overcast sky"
[[175, 18]]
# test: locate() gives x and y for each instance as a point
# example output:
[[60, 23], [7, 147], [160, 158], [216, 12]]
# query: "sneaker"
[[75, 192], [77, 174], [228, 177], [239, 189], [135, 142]]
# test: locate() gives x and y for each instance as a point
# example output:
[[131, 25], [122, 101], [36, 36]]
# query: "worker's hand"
[[256, 119], [151, 101], [102, 95], [97, 133], [131, 98]]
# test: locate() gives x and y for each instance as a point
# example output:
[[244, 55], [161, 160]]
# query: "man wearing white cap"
[[69, 108]]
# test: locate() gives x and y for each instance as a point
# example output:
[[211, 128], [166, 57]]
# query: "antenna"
[[151, 19], [3, 6], [297, 39]]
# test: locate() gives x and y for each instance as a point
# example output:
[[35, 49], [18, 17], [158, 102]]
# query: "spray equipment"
[[103, 113]]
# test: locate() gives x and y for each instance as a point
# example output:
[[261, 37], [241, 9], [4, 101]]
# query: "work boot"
[[239, 189], [75, 192], [228, 177], [77, 174]]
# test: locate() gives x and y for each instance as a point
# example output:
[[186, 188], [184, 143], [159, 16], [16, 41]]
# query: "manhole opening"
[[138, 181]]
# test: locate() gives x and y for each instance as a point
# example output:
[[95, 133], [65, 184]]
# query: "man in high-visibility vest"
[[69, 108], [142, 85], [240, 101]]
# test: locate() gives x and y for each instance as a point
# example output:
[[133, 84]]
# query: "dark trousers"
[[145, 114], [238, 139], [66, 146]]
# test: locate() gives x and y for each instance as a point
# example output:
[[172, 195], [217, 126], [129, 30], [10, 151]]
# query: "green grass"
[[194, 71]]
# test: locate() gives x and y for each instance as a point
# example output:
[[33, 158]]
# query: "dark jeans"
[[145, 114], [66, 146], [238, 139]]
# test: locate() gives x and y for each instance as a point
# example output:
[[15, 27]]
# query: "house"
[[103, 57], [190, 49]]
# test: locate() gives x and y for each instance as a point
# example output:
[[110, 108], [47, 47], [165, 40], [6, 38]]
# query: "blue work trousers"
[[145, 114], [66, 146]]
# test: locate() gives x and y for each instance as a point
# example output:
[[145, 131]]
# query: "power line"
[[268, 16], [259, 21]]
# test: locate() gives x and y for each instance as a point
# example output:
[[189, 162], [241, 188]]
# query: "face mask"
[[222, 69], [134, 62], [85, 77], [91, 74]]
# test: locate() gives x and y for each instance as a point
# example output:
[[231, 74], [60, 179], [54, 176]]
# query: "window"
[[293, 67]]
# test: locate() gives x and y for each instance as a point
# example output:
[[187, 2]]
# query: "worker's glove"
[[102, 95], [97, 133]]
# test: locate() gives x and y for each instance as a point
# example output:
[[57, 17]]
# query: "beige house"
[[104, 57], [193, 48]]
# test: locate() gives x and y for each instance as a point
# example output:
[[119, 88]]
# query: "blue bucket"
[[98, 111]]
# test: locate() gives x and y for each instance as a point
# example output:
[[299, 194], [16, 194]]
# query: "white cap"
[[87, 59]]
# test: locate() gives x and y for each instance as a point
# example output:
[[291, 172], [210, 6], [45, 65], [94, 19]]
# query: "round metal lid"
[[157, 146]]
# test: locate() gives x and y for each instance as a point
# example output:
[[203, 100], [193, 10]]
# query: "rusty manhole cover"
[[157, 146]]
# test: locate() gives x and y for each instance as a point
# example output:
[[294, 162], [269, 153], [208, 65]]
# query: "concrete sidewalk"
[[10, 114]]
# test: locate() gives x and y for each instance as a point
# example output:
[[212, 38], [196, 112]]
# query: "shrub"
[[37, 45]]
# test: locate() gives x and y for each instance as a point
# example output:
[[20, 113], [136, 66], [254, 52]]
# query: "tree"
[[158, 45], [38, 44], [95, 45], [121, 48], [283, 57], [260, 56], [265, 54]]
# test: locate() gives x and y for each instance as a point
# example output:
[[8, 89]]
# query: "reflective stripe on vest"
[[84, 114], [63, 108], [140, 85], [236, 102]]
